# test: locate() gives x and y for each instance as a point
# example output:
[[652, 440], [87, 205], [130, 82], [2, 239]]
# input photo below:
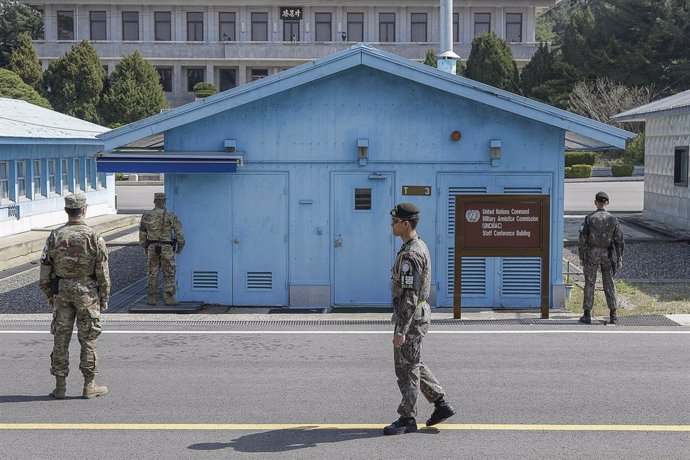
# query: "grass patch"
[[637, 299]]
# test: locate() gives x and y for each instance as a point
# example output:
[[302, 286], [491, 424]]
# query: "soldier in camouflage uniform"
[[411, 285], [75, 279], [601, 244], [160, 234]]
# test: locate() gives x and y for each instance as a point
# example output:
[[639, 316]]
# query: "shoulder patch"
[[406, 274]]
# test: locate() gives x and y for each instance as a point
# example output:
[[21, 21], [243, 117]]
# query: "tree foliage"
[[15, 18], [605, 98], [491, 62], [24, 62], [12, 87], [430, 58], [73, 82], [134, 92]]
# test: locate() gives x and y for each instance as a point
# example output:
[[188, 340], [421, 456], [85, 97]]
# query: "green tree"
[[538, 70], [15, 18], [134, 91], [73, 82], [24, 62], [430, 58], [12, 87], [491, 62]]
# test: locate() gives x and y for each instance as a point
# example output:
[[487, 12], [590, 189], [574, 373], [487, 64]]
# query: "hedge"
[[579, 158], [578, 171], [204, 89], [622, 169]]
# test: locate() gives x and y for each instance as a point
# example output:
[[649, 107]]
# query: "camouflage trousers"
[[413, 375], [164, 261], [77, 299], [597, 258]]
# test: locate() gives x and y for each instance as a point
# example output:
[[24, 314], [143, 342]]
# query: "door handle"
[[338, 242], [236, 241]]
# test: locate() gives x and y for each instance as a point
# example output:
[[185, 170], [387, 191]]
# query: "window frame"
[[97, 21], [130, 21], [222, 87], [65, 185], [67, 34], [417, 23], [255, 18], [77, 175], [190, 85], [352, 23], [163, 80], [519, 24], [37, 178], [51, 177], [456, 27], [233, 36], [320, 22], [681, 158], [4, 181], [196, 26], [21, 178], [477, 22], [159, 21], [386, 27], [294, 26]]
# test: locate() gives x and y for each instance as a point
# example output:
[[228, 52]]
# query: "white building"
[[667, 139], [232, 42]]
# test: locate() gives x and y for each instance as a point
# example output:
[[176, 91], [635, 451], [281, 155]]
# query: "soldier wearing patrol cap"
[[75, 279], [160, 234], [411, 285], [600, 245]]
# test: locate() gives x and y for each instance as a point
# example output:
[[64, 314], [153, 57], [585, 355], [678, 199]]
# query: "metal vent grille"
[[362, 199], [205, 280], [522, 190], [452, 191], [259, 280], [473, 274], [521, 276]]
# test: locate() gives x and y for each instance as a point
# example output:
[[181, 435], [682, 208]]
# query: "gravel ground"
[[20, 293]]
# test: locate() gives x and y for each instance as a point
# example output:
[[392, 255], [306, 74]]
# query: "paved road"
[[613, 393]]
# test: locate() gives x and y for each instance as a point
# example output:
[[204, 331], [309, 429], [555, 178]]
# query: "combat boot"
[[60, 388], [442, 411], [613, 318], [91, 390], [151, 300], [586, 318], [170, 300], [401, 426]]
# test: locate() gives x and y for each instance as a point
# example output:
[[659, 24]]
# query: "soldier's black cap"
[[602, 196], [405, 211]]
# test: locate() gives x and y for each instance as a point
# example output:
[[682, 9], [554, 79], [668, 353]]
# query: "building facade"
[[321, 153], [44, 156], [229, 43], [666, 158]]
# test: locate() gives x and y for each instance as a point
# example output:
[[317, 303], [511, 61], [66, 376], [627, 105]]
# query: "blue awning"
[[167, 162]]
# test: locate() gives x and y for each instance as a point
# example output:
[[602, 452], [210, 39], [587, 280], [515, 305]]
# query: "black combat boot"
[[586, 318], [442, 411], [613, 318], [401, 426]]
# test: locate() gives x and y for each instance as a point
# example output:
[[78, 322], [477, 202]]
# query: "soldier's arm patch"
[[407, 274]]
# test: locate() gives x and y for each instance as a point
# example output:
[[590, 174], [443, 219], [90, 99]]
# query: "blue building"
[[45, 155], [284, 185]]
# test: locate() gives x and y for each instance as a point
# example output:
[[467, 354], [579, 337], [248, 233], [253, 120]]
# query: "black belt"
[[170, 243]]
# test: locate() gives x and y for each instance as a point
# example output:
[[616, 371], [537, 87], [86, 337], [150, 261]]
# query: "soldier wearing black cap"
[[600, 245], [411, 285]]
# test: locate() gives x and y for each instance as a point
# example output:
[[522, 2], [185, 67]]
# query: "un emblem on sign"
[[472, 216]]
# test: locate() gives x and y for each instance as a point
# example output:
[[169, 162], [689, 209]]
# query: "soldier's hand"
[[619, 263], [398, 340], [104, 305]]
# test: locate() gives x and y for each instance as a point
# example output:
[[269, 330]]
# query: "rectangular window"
[[65, 176], [226, 27], [165, 75], [386, 27], [258, 74], [97, 25], [418, 27], [77, 174], [21, 178], [130, 25], [355, 27], [194, 76], [324, 29], [65, 25], [362, 199], [4, 180], [195, 27], [51, 176], [259, 27], [680, 166], [291, 30], [41, 34], [37, 178], [162, 26], [89, 174], [227, 78], [482, 23], [456, 27], [513, 27]]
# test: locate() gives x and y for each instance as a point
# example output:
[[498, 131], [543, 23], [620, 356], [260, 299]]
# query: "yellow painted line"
[[331, 426]]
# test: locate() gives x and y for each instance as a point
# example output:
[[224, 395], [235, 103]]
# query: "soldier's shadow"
[[293, 439], [30, 398]]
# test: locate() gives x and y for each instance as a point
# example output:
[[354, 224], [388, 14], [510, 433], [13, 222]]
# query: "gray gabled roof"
[[581, 132], [678, 104]]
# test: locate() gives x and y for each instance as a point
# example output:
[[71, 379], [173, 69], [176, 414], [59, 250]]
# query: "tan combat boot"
[[170, 300], [91, 390], [60, 388]]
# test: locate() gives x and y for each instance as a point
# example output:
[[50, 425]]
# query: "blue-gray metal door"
[[362, 238], [259, 239]]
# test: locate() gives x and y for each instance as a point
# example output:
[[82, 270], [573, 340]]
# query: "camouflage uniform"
[[411, 284], [77, 255], [600, 237], [160, 234]]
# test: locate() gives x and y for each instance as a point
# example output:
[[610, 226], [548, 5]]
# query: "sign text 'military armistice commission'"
[[501, 224]]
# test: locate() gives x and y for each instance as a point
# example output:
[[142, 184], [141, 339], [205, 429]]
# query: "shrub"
[[634, 151], [119, 176], [622, 169], [580, 158], [204, 89], [578, 171]]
